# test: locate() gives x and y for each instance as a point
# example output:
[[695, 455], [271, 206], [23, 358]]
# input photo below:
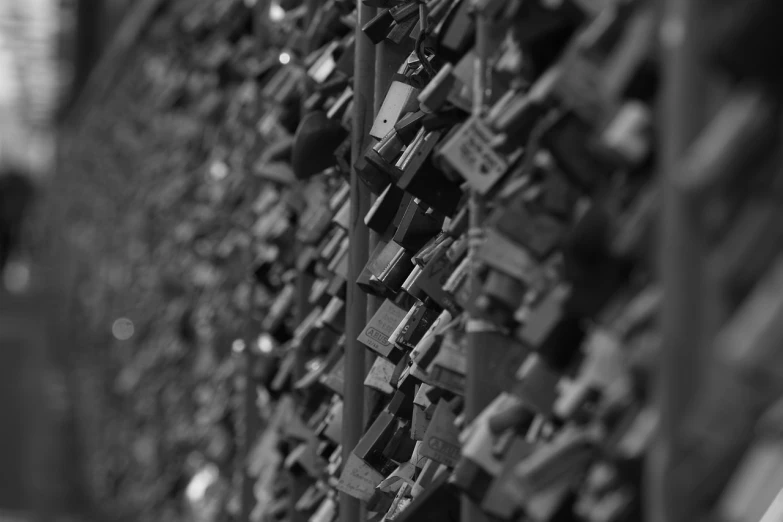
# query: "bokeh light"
[[122, 329]]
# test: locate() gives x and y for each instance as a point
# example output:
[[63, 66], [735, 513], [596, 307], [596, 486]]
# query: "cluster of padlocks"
[[512, 331], [505, 185]]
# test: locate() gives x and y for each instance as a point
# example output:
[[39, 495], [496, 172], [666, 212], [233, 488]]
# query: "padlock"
[[448, 369], [569, 140], [376, 179], [388, 266], [408, 126], [434, 275], [537, 384], [470, 153], [423, 180], [342, 216], [627, 135], [326, 512], [397, 271], [400, 447], [407, 382], [414, 307], [422, 412], [304, 460], [390, 147], [336, 286], [438, 501], [384, 209], [339, 263], [594, 274], [379, 377], [377, 332], [564, 459], [441, 442], [435, 95], [400, 99], [378, 28], [340, 106], [401, 30], [538, 232], [457, 35], [333, 315], [311, 498], [334, 378], [370, 447], [279, 309], [418, 226], [502, 254], [423, 347], [331, 244], [399, 477], [544, 316], [479, 465], [418, 324], [313, 148], [331, 427], [401, 405], [501, 296]]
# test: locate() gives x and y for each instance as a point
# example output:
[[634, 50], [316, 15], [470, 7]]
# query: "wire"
[[423, 33]]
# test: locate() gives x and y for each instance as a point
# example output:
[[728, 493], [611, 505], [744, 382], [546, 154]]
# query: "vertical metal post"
[[475, 395], [681, 252], [356, 304]]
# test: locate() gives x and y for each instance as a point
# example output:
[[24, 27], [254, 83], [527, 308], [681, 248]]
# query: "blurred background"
[[119, 310]]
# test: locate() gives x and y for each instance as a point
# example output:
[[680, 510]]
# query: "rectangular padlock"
[[401, 30], [538, 232], [434, 275], [343, 215], [470, 153], [333, 424], [400, 447], [358, 479], [418, 226], [435, 95], [570, 142], [380, 25], [279, 309], [335, 378], [504, 255], [383, 323], [457, 35], [370, 447], [417, 325], [408, 126], [537, 385], [441, 442], [448, 369], [379, 377], [383, 211], [333, 316], [400, 99], [336, 286], [395, 274]]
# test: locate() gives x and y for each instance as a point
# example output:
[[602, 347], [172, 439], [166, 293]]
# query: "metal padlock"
[[400, 99]]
